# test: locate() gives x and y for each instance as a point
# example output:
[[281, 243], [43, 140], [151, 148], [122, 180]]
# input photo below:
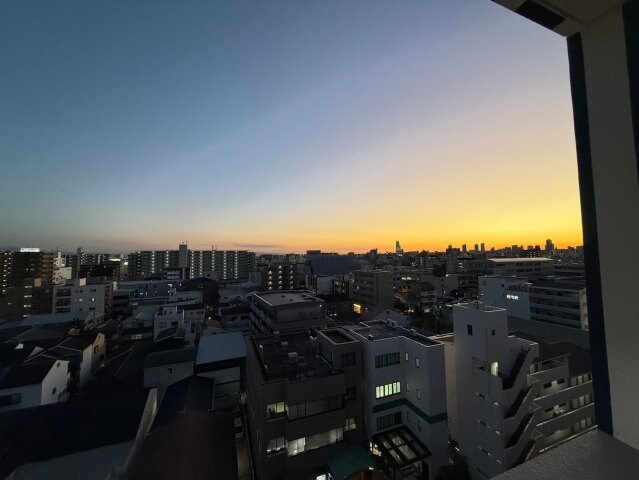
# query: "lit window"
[[387, 390]]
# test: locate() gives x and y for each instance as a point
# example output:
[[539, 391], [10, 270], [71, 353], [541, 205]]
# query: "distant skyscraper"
[[464, 247], [399, 251], [483, 247], [549, 245], [476, 248]]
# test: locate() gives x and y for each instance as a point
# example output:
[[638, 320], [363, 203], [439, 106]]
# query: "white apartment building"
[[404, 391], [509, 292], [511, 396], [491, 411], [78, 296]]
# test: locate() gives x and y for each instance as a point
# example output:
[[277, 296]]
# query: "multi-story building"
[[560, 301], [530, 268], [303, 401], [6, 262], [404, 394], [284, 311], [511, 293], [490, 395], [233, 264], [28, 263], [80, 296], [372, 290], [511, 396], [30, 298], [201, 261], [279, 276]]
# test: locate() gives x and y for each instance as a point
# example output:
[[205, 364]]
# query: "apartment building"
[[530, 268], [560, 301], [279, 276], [284, 311], [404, 394], [79, 296], [372, 289], [490, 397], [232, 265], [303, 401]]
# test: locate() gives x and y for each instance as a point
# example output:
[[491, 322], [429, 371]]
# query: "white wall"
[[57, 378]]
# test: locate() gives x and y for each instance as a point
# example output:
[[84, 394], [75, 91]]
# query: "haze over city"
[[283, 126]]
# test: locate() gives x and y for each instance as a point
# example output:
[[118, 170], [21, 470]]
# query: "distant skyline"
[[283, 125]]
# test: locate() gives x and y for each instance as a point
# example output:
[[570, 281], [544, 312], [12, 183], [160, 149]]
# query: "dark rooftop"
[[26, 374], [107, 412], [186, 441], [337, 336], [380, 330], [169, 357], [579, 359], [279, 361], [171, 332]]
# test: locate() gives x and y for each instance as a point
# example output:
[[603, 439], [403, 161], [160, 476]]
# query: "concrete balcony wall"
[[567, 419], [565, 395]]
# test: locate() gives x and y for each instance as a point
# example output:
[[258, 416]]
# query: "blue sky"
[[333, 124]]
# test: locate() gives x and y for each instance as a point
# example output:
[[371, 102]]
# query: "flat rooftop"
[[220, 347], [277, 357], [521, 260], [380, 330], [337, 336], [478, 306], [282, 297]]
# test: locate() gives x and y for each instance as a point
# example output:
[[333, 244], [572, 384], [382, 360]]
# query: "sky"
[[282, 126]]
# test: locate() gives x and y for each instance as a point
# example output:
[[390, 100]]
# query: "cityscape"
[[299, 240]]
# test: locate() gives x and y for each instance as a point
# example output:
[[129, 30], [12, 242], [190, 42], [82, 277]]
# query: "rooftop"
[[579, 359], [187, 441], [337, 336], [283, 297], [220, 347], [106, 406], [476, 305], [26, 374], [381, 330], [292, 356], [520, 260], [169, 357]]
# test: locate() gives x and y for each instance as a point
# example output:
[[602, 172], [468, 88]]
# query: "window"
[[170, 369], [406, 356], [386, 360], [417, 362], [469, 329], [387, 390], [492, 332], [314, 407], [275, 410], [348, 359], [407, 387], [419, 426], [387, 421], [418, 392], [55, 389], [351, 393], [312, 442], [276, 445], [350, 424], [11, 399]]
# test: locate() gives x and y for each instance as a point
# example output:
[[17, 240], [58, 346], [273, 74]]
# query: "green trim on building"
[[400, 402]]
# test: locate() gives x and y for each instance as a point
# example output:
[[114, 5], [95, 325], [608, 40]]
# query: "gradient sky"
[[283, 125]]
